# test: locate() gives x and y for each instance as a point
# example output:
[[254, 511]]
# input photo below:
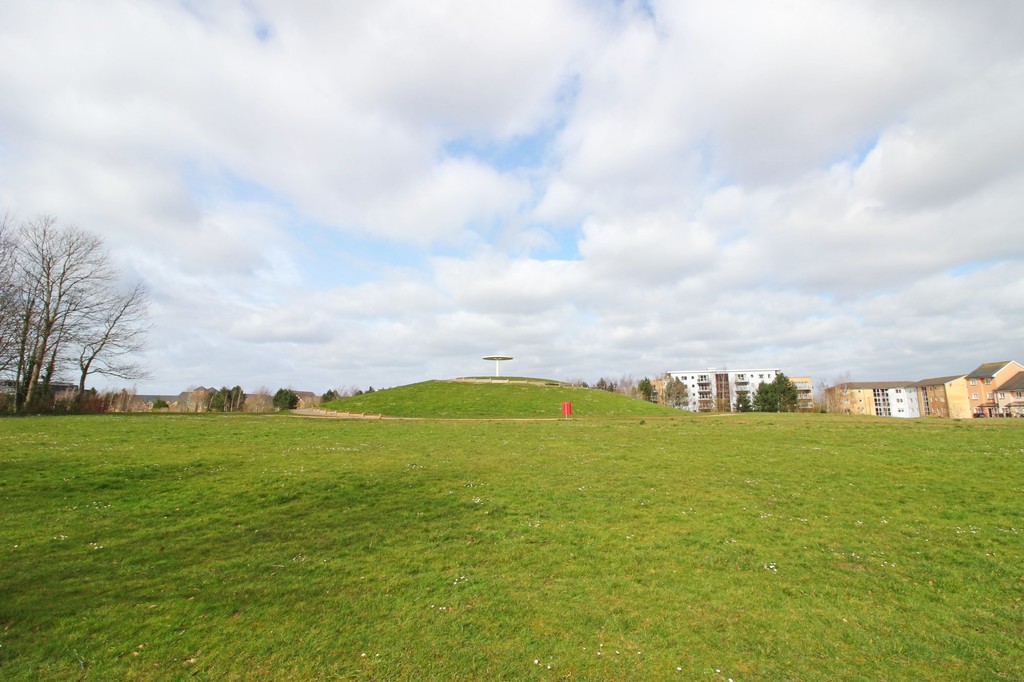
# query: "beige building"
[[804, 393], [944, 397]]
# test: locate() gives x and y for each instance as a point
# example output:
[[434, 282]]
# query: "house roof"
[[988, 370], [936, 381], [1014, 383], [879, 384]]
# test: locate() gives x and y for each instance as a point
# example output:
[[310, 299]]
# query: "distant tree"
[[777, 396], [606, 385], [258, 402], [743, 403], [645, 391], [834, 398], [91, 403], [371, 389], [119, 401], [160, 404], [285, 399], [218, 400], [228, 400], [236, 399], [675, 392], [329, 395]]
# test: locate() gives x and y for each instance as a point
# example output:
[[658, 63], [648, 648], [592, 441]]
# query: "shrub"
[[285, 399]]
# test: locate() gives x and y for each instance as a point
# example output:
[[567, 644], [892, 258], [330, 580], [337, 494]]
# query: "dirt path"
[[318, 413], [332, 414]]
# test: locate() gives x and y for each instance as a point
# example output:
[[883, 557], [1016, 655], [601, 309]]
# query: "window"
[[974, 396], [974, 382], [882, 403], [989, 394], [988, 380]]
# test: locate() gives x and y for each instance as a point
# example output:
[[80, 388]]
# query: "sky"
[[350, 194]]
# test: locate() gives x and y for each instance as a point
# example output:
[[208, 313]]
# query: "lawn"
[[750, 547]]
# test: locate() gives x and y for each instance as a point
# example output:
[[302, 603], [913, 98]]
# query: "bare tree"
[[114, 329], [119, 401], [57, 270], [260, 401], [835, 398], [8, 298], [65, 308]]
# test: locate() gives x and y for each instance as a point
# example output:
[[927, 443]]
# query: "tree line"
[[64, 315], [224, 399]]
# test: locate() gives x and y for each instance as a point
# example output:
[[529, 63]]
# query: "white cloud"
[[457, 196], [645, 250], [821, 187]]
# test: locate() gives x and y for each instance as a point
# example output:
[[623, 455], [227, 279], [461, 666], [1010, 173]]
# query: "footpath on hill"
[[320, 413]]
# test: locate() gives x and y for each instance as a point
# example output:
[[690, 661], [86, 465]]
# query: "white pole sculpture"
[[498, 359]]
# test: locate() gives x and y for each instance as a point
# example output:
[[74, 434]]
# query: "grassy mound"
[[465, 400]]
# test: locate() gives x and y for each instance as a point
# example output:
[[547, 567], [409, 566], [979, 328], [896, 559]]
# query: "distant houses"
[[993, 389], [202, 399]]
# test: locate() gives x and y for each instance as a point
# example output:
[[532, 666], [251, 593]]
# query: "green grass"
[[458, 400], [750, 547]]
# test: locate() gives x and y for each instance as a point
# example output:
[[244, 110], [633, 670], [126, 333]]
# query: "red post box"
[[566, 409]]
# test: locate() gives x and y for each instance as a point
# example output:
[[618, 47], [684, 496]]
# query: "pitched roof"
[[988, 370], [1014, 383], [936, 381], [879, 384]]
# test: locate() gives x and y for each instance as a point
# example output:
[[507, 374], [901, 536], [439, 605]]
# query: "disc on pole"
[[498, 359]]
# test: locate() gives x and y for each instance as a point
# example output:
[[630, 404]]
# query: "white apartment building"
[[711, 389], [881, 398]]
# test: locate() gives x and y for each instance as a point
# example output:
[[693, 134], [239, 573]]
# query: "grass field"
[[750, 547]]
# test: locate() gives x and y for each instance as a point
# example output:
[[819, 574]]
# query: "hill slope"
[[453, 399]]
